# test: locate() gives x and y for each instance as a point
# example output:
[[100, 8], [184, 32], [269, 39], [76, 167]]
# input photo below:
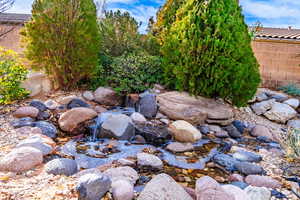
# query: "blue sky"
[[271, 13]]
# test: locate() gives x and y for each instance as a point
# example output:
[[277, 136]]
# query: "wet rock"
[[294, 124], [280, 113], [226, 161], [184, 132], [248, 168], [25, 121], [154, 134], [233, 131], [148, 105], [21, 159], [241, 126], [100, 109], [88, 95], [122, 190], [92, 186], [178, 147], [236, 178], [38, 143], [262, 181], [239, 184], [262, 107], [247, 156], [182, 106], [258, 193], [294, 103], [164, 187], [77, 103], [47, 128], [43, 115], [61, 166], [138, 139], [145, 159], [260, 130], [122, 173], [39, 105], [70, 120], [26, 111], [51, 104], [118, 126], [238, 193], [138, 118], [107, 96], [208, 188]]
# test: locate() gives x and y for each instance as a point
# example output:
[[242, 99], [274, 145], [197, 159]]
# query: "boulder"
[[262, 181], [39, 105], [233, 131], [70, 120], [61, 166], [122, 190], [38, 143], [226, 161], [138, 118], [88, 95], [208, 188], [294, 123], [118, 126], [21, 159], [294, 103], [182, 106], [247, 156], [122, 173], [147, 105], [280, 112], [92, 186], [258, 193], [262, 96], [77, 103], [184, 132], [37, 83], [238, 193], [107, 96], [262, 131], [248, 168], [21, 122], [145, 159], [163, 186], [47, 128], [26, 111], [262, 107], [177, 147]]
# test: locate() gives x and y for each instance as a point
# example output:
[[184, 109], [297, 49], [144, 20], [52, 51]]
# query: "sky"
[[271, 13]]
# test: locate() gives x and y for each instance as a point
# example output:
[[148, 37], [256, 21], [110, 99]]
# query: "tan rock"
[[26, 111], [37, 83], [184, 132], [107, 96]]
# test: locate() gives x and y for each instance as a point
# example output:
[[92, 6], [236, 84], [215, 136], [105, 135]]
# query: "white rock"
[[292, 102], [122, 190], [38, 143], [185, 132], [280, 112], [237, 192], [122, 173], [258, 193], [137, 117], [88, 95], [145, 159]]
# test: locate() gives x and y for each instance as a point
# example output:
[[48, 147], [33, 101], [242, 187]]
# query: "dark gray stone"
[[93, 186], [39, 105], [233, 131], [148, 105], [241, 126], [61, 166], [247, 156], [263, 139], [47, 128], [204, 129], [25, 121], [226, 161], [249, 168], [75, 103], [43, 115]]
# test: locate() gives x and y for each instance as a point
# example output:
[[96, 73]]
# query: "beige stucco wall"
[[12, 39]]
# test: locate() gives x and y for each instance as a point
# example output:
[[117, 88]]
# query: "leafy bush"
[[12, 73], [131, 73], [63, 40], [291, 89], [293, 144], [207, 51]]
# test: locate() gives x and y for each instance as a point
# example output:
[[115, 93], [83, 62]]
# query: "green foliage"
[[207, 51], [12, 73], [63, 39], [293, 143], [119, 33], [131, 73], [291, 89]]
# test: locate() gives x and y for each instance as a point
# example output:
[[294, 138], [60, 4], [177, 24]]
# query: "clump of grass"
[[291, 89], [293, 144]]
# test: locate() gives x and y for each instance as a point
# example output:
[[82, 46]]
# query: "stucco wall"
[[12, 39]]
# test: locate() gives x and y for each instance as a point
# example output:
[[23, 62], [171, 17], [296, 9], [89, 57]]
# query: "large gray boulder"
[[164, 187], [280, 112], [262, 107], [148, 105]]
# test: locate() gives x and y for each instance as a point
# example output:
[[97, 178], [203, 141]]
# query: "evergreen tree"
[[207, 51], [63, 39]]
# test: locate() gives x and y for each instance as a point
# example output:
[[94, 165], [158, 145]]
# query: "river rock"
[[241, 126], [122, 190], [177, 147], [47, 128], [26, 111], [280, 112], [147, 105], [184, 132], [118, 126], [294, 124], [122, 173], [214, 128], [163, 186], [294, 103], [221, 134], [61, 166], [51, 104], [70, 120], [145, 159], [262, 181], [25, 121], [66, 100], [182, 106], [37, 83], [38, 143], [208, 188], [226, 161], [248, 168], [260, 130], [233, 131], [262, 107], [262, 96], [77, 103], [92, 186], [247, 156], [88, 95], [236, 178], [21, 159], [238, 193], [258, 193], [107, 96], [138, 118], [39, 105]]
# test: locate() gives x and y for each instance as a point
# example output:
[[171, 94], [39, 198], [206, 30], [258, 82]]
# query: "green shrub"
[[63, 39], [208, 52], [131, 73], [291, 89], [293, 144], [12, 73]]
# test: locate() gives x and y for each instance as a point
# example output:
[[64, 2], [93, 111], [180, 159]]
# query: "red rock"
[[262, 181]]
